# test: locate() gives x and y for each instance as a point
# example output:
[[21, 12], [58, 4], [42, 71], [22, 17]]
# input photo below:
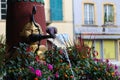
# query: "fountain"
[[63, 39], [26, 23]]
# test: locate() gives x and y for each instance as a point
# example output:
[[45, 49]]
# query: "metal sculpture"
[[26, 23]]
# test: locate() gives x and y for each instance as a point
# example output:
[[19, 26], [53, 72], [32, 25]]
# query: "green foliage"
[[2, 39], [20, 64], [58, 66], [2, 53], [84, 64]]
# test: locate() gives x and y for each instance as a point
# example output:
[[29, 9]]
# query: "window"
[[3, 7], [56, 13], [108, 14], [109, 49], [118, 55], [88, 13]]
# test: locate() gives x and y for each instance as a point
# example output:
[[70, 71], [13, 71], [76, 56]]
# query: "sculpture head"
[[32, 33], [29, 29]]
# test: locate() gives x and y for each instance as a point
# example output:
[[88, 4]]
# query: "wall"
[[106, 38], [99, 5], [65, 26], [2, 27]]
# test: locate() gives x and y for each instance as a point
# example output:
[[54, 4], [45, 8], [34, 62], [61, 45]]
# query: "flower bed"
[[76, 62]]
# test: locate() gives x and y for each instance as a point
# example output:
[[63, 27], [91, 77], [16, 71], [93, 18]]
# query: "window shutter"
[[56, 10]]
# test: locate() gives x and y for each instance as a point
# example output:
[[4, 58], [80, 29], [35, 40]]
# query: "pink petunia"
[[37, 58], [61, 51], [107, 60], [116, 67], [38, 73], [44, 63], [28, 49], [95, 59], [56, 75], [48, 78], [117, 73], [31, 69], [50, 67]]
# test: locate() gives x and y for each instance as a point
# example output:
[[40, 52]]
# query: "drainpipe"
[[74, 35]]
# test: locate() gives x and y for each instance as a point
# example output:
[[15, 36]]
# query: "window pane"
[[98, 48], [3, 5], [89, 14], [3, 0], [88, 43], [109, 49], [108, 13], [3, 10], [3, 16]]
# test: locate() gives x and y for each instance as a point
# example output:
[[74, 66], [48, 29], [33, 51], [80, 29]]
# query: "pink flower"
[[28, 49], [37, 58], [107, 60], [31, 69], [48, 78], [61, 51], [117, 73], [38, 73], [50, 67], [116, 67], [44, 63], [56, 75], [95, 54], [101, 60], [95, 59]]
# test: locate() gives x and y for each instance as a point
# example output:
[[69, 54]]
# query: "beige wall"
[[2, 27], [65, 26], [67, 10]]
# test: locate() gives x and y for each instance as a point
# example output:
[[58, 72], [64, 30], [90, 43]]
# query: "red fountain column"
[[18, 14]]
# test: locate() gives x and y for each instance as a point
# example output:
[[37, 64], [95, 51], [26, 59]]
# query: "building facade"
[[3, 10], [59, 15], [98, 21]]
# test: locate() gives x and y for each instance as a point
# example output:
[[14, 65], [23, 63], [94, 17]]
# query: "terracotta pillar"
[[18, 14]]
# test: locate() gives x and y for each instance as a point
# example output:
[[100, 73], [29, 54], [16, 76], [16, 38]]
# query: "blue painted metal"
[[56, 13]]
